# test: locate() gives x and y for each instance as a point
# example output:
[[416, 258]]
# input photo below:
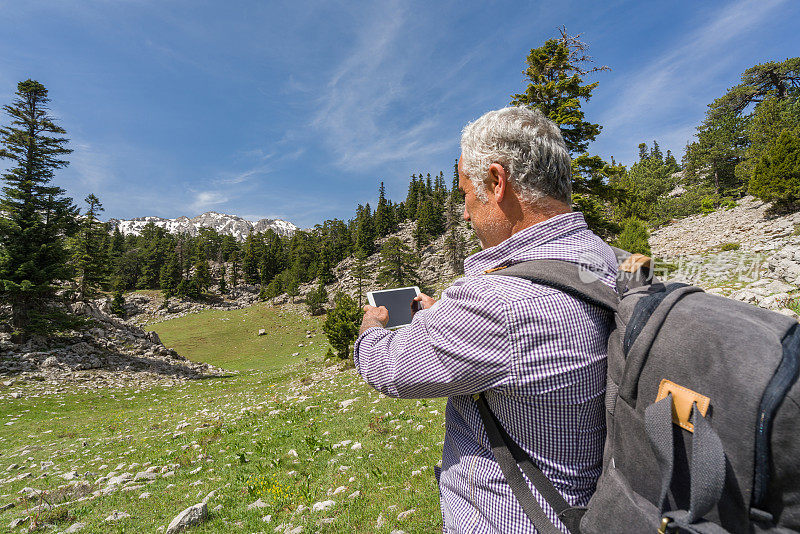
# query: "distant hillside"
[[222, 223]]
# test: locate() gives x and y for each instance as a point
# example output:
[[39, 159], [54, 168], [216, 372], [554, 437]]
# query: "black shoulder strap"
[[567, 277], [509, 455]]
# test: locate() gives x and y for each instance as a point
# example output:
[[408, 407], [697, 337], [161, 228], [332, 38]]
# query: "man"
[[538, 353]]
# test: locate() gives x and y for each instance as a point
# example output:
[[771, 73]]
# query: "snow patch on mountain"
[[222, 223]]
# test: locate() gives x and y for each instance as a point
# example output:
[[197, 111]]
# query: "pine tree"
[[398, 264], [454, 243], [455, 194], [234, 258], [341, 325], [171, 275], [776, 175], [250, 261], [37, 215], [223, 285], [90, 255], [365, 230], [202, 272], [555, 72], [383, 216], [360, 272]]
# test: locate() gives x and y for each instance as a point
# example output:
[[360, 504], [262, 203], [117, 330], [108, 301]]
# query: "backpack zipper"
[[784, 378]]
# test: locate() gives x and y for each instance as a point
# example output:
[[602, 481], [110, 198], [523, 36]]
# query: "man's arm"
[[459, 347]]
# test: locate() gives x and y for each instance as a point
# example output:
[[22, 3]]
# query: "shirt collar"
[[515, 246]]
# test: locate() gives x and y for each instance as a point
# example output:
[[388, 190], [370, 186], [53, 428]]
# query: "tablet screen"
[[398, 302]]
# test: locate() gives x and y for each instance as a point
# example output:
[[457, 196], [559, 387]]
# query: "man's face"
[[476, 211]]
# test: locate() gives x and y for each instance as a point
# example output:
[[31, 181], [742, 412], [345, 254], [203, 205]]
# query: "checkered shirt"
[[540, 356]]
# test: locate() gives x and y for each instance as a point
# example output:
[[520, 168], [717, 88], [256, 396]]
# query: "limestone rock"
[[193, 515]]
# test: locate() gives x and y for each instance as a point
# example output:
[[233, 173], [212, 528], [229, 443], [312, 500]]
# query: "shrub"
[[316, 300], [189, 289], [730, 246], [634, 237], [118, 304], [776, 175], [341, 326]]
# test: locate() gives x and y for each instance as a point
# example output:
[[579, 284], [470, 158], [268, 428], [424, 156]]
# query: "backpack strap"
[[566, 276], [511, 458]]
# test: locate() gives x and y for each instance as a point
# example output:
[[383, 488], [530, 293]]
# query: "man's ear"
[[498, 181]]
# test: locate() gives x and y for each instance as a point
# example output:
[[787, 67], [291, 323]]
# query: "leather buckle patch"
[[634, 262], [682, 401]]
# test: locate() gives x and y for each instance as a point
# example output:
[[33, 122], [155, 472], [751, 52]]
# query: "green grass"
[[229, 338], [242, 451], [729, 246]]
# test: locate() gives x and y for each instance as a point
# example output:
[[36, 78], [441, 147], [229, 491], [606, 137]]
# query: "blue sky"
[[299, 109]]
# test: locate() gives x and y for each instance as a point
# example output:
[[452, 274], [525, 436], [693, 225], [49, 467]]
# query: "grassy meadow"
[[282, 433]]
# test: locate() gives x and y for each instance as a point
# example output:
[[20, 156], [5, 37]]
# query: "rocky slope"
[[223, 224], [762, 266], [434, 271], [109, 352]]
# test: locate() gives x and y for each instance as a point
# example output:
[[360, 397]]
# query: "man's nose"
[[466, 213]]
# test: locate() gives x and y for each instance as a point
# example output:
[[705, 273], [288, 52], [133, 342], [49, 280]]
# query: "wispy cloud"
[[680, 77], [93, 167], [358, 111], [203, 200]]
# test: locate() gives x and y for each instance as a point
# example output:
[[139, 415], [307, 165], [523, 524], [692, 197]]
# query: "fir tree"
[[383, 215], [360, 272], [411, 198], [454, 243], [202, 272], [455, 193], [776, 176], [398, 264], [250, 261], [223, 285], [555, 73], [171, 275], [90, 255], [37, 215], [365, 231], [234, 258], [117, 245]]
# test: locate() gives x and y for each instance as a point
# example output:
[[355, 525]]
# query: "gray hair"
[[527, 144]]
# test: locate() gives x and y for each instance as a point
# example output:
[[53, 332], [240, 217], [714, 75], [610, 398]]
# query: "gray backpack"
[[702, 412]]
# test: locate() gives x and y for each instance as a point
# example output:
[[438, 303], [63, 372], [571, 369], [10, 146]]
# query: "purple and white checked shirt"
[[540, 356]]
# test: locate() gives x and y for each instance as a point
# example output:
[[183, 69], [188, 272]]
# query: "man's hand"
[[424, 301], [374, 317]]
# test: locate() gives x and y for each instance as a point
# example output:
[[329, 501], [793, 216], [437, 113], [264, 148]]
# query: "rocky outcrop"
[[762, 266], [150, 307], [107, 351]]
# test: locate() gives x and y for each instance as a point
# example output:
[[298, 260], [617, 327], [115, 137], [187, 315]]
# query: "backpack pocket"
[[615, 507]]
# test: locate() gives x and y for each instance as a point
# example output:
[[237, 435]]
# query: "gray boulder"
[[193, 515]]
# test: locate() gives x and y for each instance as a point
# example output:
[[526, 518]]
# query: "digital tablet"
[[397, 301]]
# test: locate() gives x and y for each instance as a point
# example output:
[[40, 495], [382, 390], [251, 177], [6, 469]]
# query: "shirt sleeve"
[[460, 347]]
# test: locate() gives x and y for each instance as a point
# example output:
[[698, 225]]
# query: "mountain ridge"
[[223, 223]]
